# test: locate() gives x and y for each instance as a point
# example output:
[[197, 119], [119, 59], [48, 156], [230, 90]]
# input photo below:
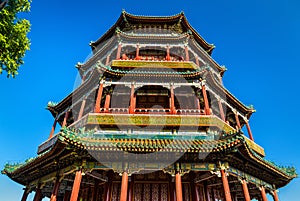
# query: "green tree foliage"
[[13, 36]]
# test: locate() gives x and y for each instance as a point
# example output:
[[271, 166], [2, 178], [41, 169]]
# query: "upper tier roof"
[[126, 19]]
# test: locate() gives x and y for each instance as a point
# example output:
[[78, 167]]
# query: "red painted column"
[[25, 195], [53, 129], [187, 56], [107, 102], [221, 110], [124, 187], [225, 186], [107, 60], [275, 195], [81, 109], [263, 193], [178, 187], [137, 54], [65, 119], [249, 131], [38, 195], [245, 190], [76, 186], [172, 103], [119, 51], [98, 99], [168, 58], [206, 104], [132, 101], [55, 190], [237, 121]]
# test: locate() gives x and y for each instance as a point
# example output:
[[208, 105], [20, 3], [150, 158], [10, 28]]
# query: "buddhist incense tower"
[[151, 121]]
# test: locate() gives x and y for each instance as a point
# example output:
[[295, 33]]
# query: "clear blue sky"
[[258, 41]]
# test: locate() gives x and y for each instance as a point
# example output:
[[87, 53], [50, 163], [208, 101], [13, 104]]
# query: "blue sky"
[[258, 42]]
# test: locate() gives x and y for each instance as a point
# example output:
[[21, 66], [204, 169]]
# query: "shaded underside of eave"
[[143, 146], [226, 145], [34, 163], [155, 145], [154, 19], [282, 179]]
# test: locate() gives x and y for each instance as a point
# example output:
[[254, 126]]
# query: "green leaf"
[[13, 36]]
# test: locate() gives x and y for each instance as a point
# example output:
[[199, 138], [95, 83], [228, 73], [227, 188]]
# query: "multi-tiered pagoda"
[[151, 121]]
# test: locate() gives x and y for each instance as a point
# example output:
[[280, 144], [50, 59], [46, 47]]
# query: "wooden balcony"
[[154, 64], [152, 119]]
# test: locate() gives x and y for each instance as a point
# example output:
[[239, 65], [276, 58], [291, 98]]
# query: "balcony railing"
[[152, 111]]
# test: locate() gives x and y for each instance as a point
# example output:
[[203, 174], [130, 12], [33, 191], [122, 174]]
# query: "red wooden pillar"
[[98, 99], [107, 102], [245, 190], [206, 103], [263, 193], [178, 187], [172, 100], [225, 186], [197, 102], [65, 119], [275, 195], [187, 56], [119, 51], [221, 110], [237, 121], [53, 128], [168, 58], [25, 195], [38, 194], [137, 53], [124, 187], [132, 100], [55, 190], [76, 186], [249, 131], [81, 109], [107, 60]]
